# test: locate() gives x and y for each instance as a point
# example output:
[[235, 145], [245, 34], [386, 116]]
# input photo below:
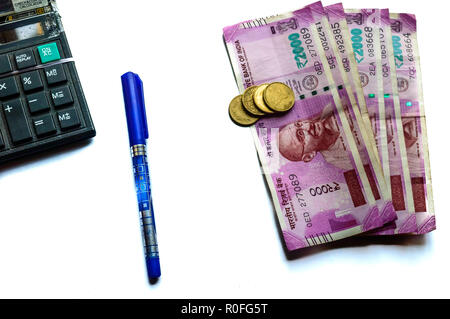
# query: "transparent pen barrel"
[[144, 196]]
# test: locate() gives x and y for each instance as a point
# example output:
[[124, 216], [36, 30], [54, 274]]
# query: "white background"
[[69, 224]]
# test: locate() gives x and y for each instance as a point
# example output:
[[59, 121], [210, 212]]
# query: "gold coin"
[[259, 99], [279, 97], [249, 104], [238, 114]]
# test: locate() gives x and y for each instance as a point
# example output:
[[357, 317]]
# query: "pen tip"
[[153, 281]]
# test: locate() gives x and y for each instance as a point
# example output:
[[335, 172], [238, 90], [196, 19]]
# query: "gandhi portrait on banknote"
[[411, 133], [302, 140], [411, 137]]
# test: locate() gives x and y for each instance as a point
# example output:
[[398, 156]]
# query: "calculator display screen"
[[21, 33]]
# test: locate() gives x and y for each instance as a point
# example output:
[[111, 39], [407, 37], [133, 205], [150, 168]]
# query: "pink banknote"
[[409, 78], [364, 28], [399, 173], [338, 23], [335, 58], [318, 182]]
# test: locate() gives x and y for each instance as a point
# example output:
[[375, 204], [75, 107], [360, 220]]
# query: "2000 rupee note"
[[409, 78], [310, 158], [350, 105]]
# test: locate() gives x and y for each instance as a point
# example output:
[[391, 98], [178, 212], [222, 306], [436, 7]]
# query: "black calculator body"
[[42, 101]]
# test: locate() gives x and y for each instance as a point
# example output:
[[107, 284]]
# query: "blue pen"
[[138, 133]]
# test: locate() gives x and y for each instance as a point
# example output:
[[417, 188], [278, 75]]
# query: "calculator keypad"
[[37, 101], [61, 96], [17, 121], [31, 81], [44, 125], [48, 52], [8, 87], [2, 144], [68, 119], [5, 64], [25, 59], [55, 74]]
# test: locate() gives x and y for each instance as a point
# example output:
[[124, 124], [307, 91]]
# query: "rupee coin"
[[239, 115], [258, 98], [249, 104], [279, 97]]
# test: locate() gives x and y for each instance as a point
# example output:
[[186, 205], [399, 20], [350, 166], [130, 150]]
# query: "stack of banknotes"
[[351, 156]]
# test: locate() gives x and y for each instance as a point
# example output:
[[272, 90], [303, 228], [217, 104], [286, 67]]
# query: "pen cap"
[[133, 95]]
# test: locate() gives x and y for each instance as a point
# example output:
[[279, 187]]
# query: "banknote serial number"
[[358, 46], [340, 42], [322, 36], [337, 32], [384, 67], [325, 45], [295, 183]]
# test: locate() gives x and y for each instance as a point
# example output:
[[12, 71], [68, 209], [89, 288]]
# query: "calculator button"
[[8, 87], [44, 125], [5, 64], [49, 52], [68, 119], [25, 59], [37, 102], [55, 74], [2, 144], [62, 96], [31, 81], [17, 122]]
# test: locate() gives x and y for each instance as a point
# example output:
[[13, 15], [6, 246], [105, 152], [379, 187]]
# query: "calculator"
[[42, 101]]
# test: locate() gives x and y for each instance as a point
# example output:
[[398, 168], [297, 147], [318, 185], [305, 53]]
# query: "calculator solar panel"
[[41, 98]]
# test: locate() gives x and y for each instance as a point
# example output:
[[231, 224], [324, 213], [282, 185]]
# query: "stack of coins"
[[261, 101]]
